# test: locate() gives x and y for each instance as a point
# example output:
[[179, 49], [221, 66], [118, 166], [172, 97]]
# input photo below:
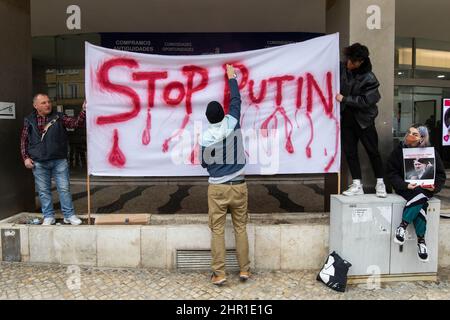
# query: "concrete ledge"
[[444, 243], [277, 241]]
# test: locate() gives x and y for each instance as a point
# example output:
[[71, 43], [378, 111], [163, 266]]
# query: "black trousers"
[[351, 134]]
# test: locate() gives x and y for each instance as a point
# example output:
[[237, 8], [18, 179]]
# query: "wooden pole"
[[339, 182], [88, 183]]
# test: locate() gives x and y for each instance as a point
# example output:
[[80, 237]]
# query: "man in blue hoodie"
[[224, 158]]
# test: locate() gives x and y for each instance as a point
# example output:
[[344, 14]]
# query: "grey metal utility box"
[[10, 244], [362, 230]]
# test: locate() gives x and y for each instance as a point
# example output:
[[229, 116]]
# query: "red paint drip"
[[195, 153], [325, 153], [295, 117], [298, 103], [287, 122], [288, 133], [311, 137], [105, 83], [336, 145], [328, 105], [165, 146], [146, 134], [116, 156], [265, 124]]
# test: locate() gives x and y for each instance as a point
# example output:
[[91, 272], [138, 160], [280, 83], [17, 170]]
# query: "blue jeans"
[[43, 172]]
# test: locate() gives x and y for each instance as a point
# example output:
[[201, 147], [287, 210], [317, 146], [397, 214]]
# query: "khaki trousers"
[[220, 198]]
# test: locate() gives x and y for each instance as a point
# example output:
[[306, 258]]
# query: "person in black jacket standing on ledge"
[[358, 97]]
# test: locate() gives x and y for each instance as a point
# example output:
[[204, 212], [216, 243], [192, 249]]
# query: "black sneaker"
[[400, 235], [422, 252]]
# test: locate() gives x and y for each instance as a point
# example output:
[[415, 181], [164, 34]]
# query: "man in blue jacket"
[[223, 156]]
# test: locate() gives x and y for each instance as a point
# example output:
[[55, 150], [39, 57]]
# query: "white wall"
[[427, 19], [48, 17]]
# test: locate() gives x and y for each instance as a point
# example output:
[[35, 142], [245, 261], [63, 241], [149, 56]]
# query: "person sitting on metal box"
[[416, 196]]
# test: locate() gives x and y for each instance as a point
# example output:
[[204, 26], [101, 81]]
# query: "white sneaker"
[[48, 221], [381, 190], [73, 219], [353, 190], [400, 234], [422, 252]]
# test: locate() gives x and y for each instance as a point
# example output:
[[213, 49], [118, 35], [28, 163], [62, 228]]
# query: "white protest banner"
[[145, 113], [419, 164]]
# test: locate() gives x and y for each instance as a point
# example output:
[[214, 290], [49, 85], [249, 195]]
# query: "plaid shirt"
[[68, 122]]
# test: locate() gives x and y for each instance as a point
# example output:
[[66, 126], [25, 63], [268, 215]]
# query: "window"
[[73, 89], [417, 105], [60, 88], [52, 92], [422, 59], [403, 57]]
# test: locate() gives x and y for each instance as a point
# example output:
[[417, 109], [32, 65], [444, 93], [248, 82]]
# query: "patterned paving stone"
[[27, 281], [142, 197]]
